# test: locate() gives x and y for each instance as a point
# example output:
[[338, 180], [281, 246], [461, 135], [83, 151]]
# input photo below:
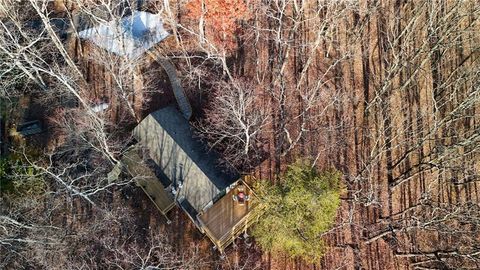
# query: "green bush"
[[19, 179], [295, 212]]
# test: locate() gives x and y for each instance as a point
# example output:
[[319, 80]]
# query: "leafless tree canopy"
[[386, 91], [235, 121]]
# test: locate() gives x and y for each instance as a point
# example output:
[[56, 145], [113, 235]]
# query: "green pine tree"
[[295, 212]]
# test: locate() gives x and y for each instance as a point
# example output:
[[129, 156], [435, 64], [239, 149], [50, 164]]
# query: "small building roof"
[[30, 128], [186, 161], [130, 36]]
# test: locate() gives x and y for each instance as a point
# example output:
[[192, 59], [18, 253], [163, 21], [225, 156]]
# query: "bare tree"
[[113, 236], [88, 144], [235, 122], [126, 86]]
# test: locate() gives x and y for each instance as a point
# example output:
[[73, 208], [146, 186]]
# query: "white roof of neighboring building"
[[131, 36], [99, 107]]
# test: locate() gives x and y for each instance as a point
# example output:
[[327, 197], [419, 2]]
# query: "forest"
[[356, 122]]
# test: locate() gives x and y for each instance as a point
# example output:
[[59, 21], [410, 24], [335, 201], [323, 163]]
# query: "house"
[[213, 196], [179, 169]]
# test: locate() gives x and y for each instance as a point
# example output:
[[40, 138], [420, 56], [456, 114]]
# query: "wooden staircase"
[[178, 91]]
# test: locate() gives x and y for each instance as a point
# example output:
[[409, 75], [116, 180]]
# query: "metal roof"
[[130, 36], [184, 159], [147, 180]]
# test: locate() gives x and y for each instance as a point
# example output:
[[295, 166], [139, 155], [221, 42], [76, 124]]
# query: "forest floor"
[[399, 117]]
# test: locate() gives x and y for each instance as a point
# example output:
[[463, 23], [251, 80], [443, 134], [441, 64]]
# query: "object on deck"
[[240, 196]]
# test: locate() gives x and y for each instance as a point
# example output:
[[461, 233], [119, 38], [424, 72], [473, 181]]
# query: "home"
[[178, 169], [213, 195]]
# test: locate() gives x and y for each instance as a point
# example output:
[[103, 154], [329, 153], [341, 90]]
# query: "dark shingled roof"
[[170, 141], [147, 180]]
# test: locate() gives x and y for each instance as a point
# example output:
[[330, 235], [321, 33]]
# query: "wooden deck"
[[146, 180], [226, 218]]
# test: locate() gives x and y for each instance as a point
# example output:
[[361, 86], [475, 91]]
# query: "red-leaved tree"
[[219, 18]]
